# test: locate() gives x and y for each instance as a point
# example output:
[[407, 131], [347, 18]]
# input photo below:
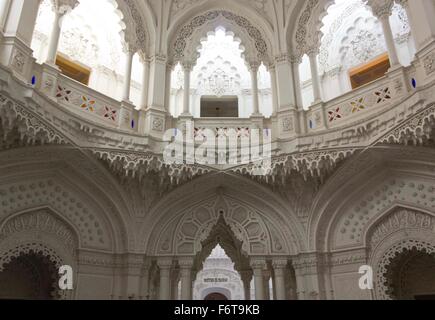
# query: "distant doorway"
[[224, 107], [216, 297]]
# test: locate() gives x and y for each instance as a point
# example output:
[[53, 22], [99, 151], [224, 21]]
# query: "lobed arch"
[[186, 33], [134, 31], [81, 196], [140, 31], [351, 201], [227, 192], [305, 34], [399, 231]]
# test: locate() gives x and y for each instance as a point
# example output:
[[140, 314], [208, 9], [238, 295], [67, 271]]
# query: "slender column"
[[296, 61], [253, 68], [174, 285], [186, 278], [258, 267], [279, 274], [168, 82], [4, 10], [127, 78], [312, 54], [187, 68], [272, 71], [382, 10], [145, 281], [165, 279], [266, 283], [61, 8], [54, 38], [145, 81], [246, 277]]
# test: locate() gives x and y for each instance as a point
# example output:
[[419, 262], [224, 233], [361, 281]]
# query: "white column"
[[253, 68], [296, 61], [389, 38], [279, 274], [246, 277], [272, 71], [258, 267], [382, 10], [266, 283], [174, 285], [165, 279], [312, 54], [127, 77], [4, 10], [60, 8], [168, 83], [186, 279], [55, 37], [187, 67], [145, 82]]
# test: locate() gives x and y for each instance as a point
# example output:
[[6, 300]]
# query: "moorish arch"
[[305, 34], [34, 244], [185, 36], [262, 227], [345, 209], [401, 251], [140, 23]]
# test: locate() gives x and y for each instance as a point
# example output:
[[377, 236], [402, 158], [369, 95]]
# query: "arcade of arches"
[[90, 89]]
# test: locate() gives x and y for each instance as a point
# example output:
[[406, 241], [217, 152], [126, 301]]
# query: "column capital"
[[283, 58], [143, 57], [186, 263], [129, 48], [381, 9], [258, 264], [64, 6], [246, 275], [253, 66], [188, 65], [164, 263], [158, 58], [279, 263], [312, 51]]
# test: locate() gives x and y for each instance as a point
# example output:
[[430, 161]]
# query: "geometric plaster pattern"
[[352, 226], [186, 235], [34, 193]]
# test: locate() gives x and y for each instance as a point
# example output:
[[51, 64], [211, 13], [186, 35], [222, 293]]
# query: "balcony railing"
[[94, 106], [365, 102], [360, 103]]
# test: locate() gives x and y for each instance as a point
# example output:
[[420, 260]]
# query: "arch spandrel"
[[183, 45], [185, 234]]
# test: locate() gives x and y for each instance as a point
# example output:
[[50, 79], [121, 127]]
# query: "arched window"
[[353, 49], [90, 48], [220, 81]]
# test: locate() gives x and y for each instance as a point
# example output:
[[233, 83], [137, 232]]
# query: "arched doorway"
[[29, 277], [411, 276], [216, 296]]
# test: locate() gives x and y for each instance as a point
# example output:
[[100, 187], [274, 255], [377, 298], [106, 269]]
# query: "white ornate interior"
[[83, 181]]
